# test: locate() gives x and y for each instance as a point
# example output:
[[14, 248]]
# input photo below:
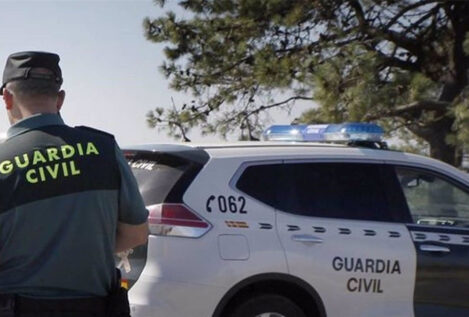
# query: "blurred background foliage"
[[403, 64]]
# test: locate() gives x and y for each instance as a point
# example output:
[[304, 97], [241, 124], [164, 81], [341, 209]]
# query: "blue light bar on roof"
[[284, 133], [314, 132], [345, 132], [354, 131]]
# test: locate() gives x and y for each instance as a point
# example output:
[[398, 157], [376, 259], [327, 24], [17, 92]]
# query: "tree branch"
[[247, 114], [433, 11], [278, 104], [179, 124], [396, 62], [232, 66], [392, 36], [417, 106], [357, 7], [407, 9]]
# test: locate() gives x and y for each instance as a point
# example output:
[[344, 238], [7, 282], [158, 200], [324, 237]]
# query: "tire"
[[267, 305]]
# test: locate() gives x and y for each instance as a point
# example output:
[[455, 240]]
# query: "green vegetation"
[[403, 63]]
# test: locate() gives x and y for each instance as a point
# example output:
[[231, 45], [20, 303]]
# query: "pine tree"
[[403, 63]]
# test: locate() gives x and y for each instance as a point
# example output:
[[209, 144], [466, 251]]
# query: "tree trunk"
[[455, 81], [436, 135], [441, 150]]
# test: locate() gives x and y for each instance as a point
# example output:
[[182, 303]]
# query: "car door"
[[439, 206], [342, 235]]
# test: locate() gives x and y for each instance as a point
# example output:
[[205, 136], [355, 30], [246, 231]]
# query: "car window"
[[157, 175], [260, 182], [432, 199], [334, 190]]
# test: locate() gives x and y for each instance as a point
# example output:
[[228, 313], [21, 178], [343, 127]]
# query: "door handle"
[[307, 238], [434, 248]]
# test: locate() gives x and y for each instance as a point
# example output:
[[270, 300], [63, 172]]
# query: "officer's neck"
[[22, 112]]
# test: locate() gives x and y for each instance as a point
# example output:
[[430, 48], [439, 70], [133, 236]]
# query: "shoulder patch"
[[93, 130]]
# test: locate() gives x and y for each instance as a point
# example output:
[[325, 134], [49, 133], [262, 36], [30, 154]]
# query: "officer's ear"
[[60, 100], [8, 99]]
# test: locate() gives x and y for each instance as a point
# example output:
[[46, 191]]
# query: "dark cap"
[[19, 65]]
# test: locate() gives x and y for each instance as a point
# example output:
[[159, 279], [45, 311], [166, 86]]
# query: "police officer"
[[68, 201]]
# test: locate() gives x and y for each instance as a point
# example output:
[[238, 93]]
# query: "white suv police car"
[[299, 229]]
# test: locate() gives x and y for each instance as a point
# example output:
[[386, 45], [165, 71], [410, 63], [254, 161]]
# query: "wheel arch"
[[274, 282]]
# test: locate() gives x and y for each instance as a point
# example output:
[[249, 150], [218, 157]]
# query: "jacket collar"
[[34, 122]]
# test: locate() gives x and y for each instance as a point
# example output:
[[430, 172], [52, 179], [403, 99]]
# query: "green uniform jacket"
[[62, 192]]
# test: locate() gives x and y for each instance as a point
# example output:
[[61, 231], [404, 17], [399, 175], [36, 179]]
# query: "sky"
[[110, 70]]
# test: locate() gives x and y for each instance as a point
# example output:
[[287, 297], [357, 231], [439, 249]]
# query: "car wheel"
[[267, 305]]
